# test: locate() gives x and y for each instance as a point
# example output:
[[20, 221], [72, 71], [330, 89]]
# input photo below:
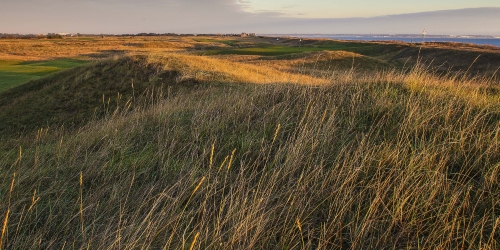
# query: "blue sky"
[[359, 8], [233, 16]]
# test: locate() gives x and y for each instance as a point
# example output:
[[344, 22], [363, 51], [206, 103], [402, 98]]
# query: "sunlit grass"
[[202, 68]]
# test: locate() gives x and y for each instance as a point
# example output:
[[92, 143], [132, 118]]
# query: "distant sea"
[[495, 41]]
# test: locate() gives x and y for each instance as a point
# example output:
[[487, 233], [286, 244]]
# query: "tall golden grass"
[[208, 69], [404, 160]]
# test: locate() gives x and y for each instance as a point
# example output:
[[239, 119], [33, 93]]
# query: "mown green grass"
[[11, 79], [227, 42], [277, 50], [14, 73], [59, 63]]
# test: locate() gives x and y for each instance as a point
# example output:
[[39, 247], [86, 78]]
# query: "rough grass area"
[[14, 73], [317, 145], [382, 161], [441, 59]]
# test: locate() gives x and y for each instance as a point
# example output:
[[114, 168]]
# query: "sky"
[[359, 8], [259, 16]]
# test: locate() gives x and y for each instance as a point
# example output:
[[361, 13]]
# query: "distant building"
[[247, 34]]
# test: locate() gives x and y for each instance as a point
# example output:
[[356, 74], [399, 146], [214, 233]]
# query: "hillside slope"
[[72, 96]]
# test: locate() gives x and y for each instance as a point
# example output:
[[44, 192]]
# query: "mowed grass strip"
[[223, 41], [278, 50], [14, 73]]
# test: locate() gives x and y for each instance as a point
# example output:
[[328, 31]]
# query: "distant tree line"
[[54, 36], [62, 35], [21, 36], [30, 36], [190, 34]]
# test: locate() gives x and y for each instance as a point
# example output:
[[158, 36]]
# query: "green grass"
[[227, 42], [277, 50], [14, 73], [12, 79], [59, 63]]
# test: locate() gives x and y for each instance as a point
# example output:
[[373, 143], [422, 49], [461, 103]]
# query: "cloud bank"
[[220, 16]]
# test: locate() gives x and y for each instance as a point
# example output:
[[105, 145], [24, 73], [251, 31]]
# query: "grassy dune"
[[232, 152]]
